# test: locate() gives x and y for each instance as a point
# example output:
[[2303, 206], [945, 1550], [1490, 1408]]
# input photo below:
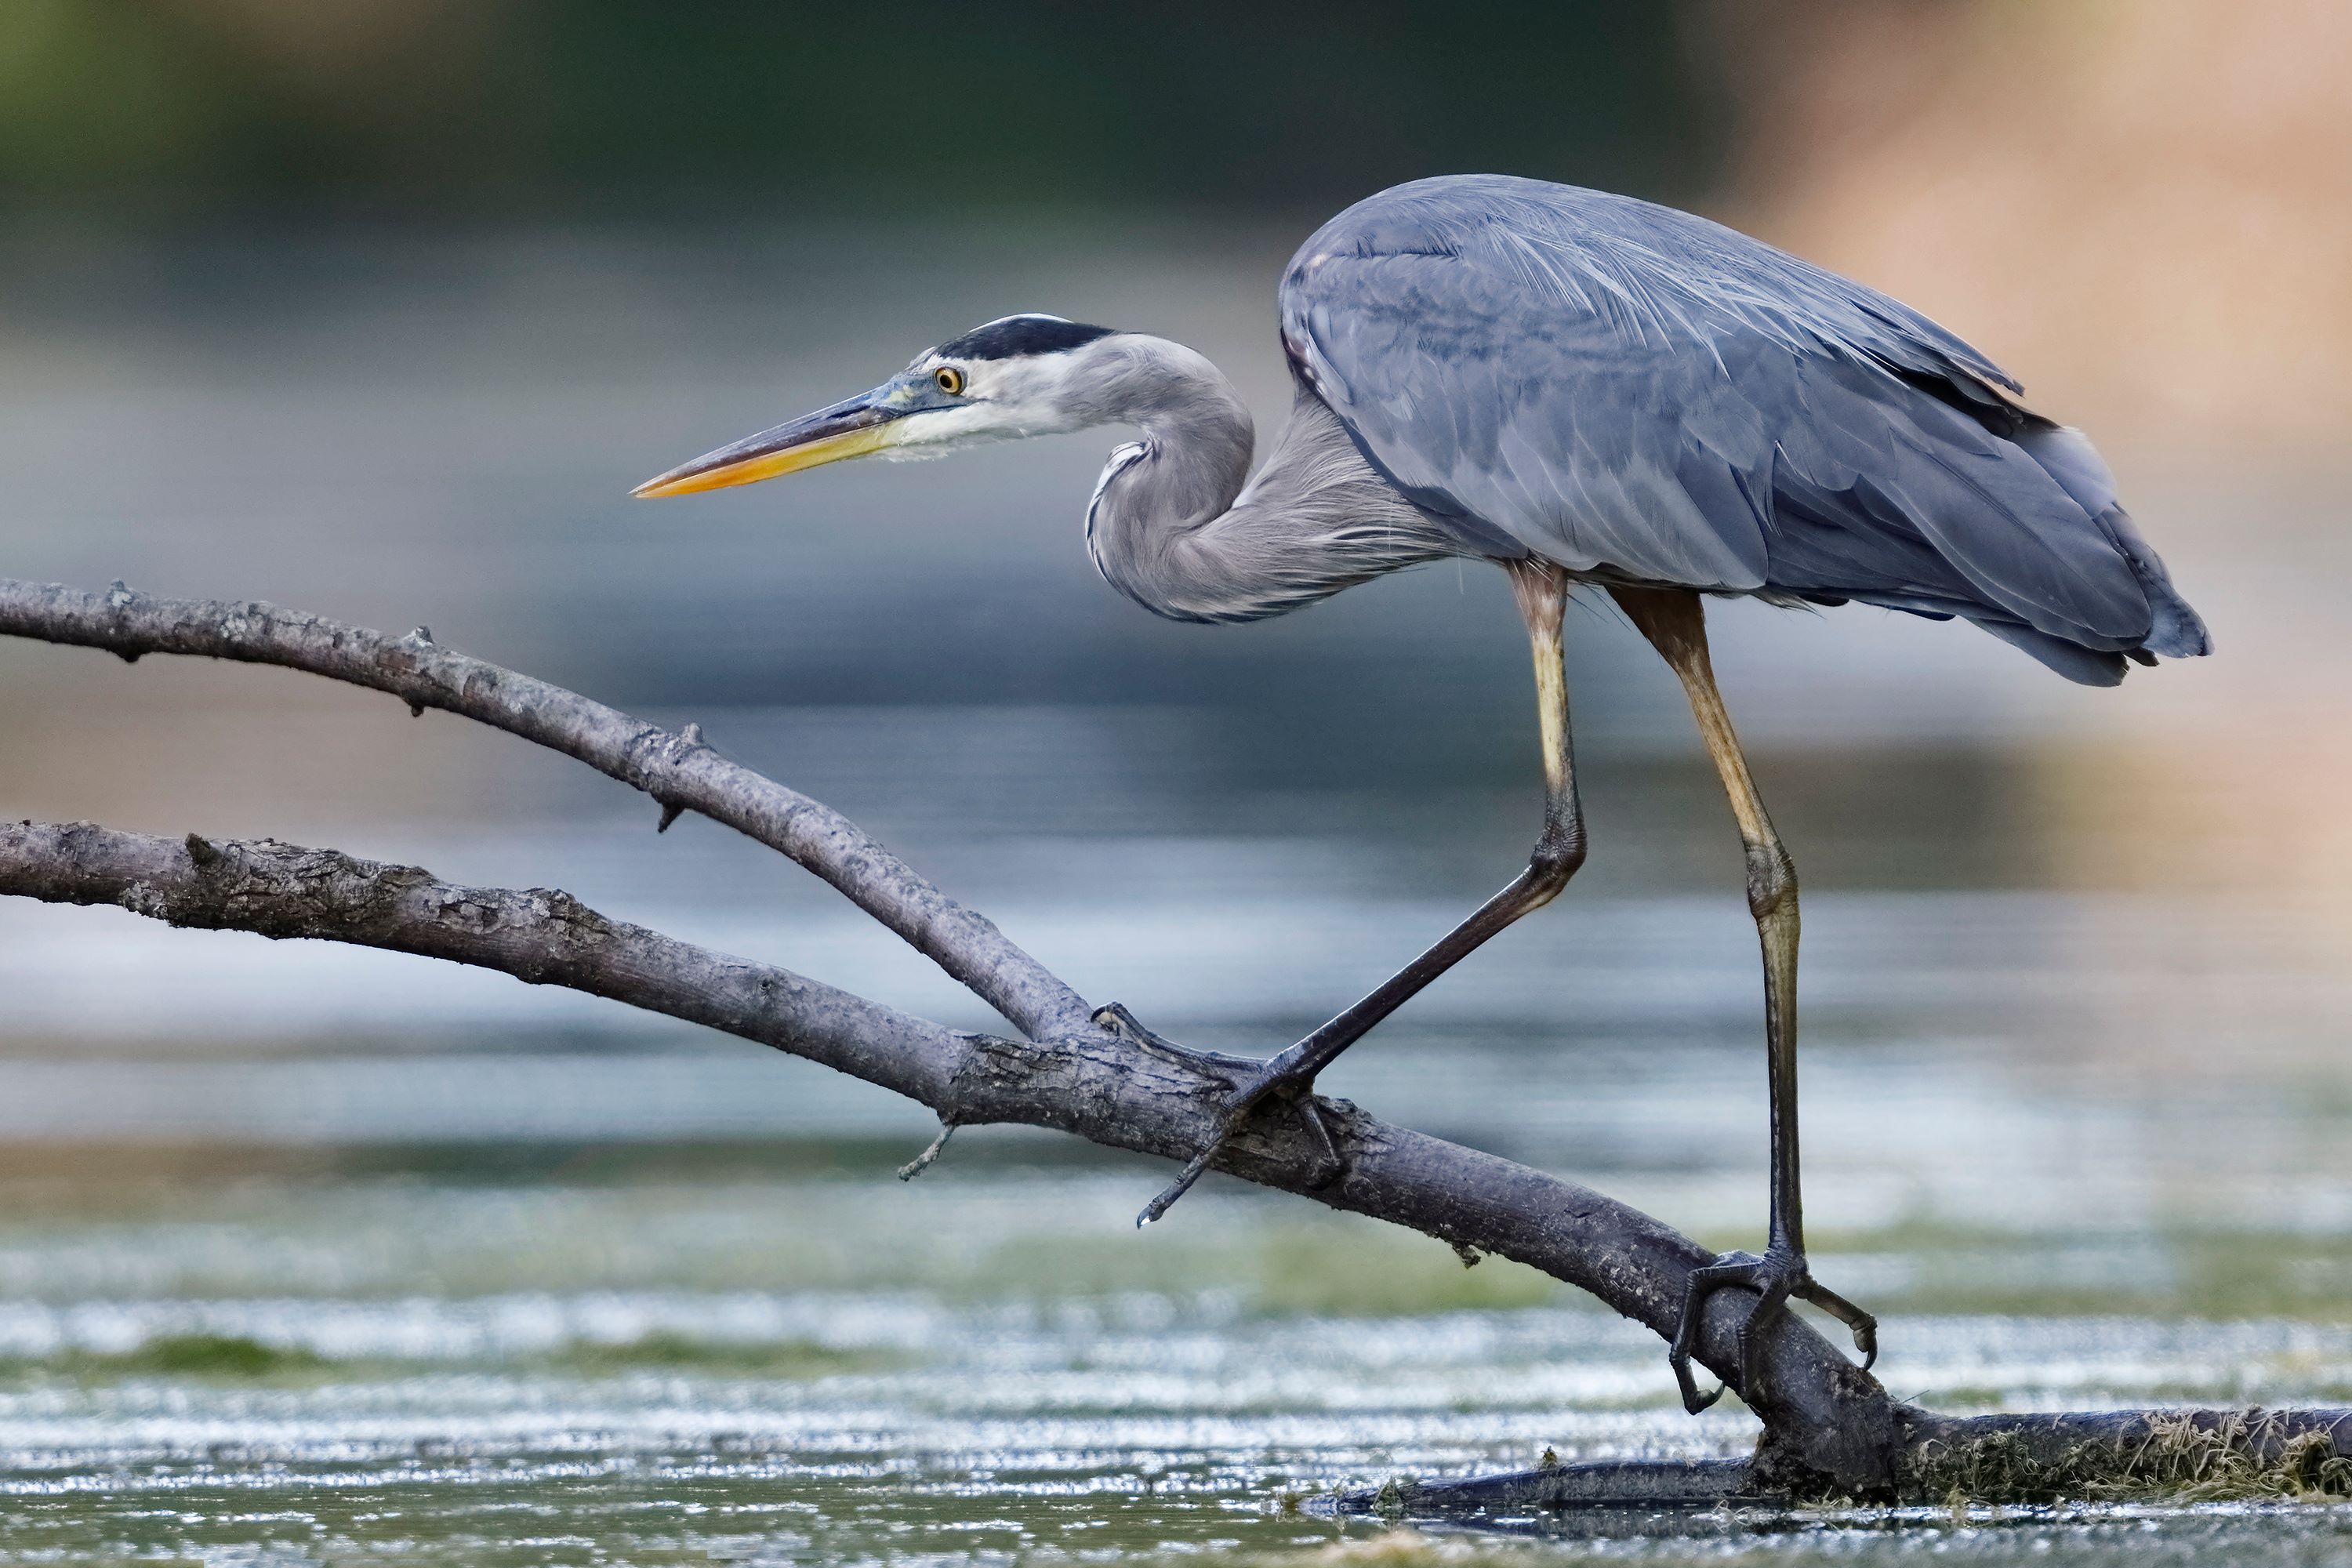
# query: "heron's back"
[[1644, 396]]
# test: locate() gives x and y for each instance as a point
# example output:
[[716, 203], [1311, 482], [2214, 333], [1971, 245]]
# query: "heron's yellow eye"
[[950, 378]]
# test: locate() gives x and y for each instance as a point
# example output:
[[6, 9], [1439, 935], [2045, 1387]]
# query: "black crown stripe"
[[1019, 335]]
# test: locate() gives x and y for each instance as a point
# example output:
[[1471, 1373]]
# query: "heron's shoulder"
[[1448, 211], [1654, 275]]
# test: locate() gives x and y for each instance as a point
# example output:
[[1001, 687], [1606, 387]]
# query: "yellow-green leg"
[[1541, 590], [1675, 623]]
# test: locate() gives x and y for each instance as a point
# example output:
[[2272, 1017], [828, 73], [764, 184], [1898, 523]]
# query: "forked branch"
[[675, 767], [1092, 1084]]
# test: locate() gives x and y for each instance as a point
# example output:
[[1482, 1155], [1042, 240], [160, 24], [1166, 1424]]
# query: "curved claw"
[[1248, 1088], [1693, 1402], [1861, 1324], [1775, 1278], [1731, 1268], [1182, 1183]]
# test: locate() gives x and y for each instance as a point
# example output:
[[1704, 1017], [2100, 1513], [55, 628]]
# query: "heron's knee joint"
[[1771, 882], [1555, 859]]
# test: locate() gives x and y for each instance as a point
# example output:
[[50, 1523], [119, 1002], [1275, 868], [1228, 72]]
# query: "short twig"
[[932, 1152]]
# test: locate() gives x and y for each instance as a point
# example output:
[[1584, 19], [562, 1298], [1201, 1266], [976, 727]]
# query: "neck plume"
[[1177, 525]]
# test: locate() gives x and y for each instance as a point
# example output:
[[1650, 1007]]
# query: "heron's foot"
[[1775, 1278], [1248, 1084], [1279, 1078]]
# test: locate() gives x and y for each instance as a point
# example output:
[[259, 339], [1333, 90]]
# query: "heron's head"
[[1022, 376]]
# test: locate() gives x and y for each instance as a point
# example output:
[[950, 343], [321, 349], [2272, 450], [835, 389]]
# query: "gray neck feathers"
[[1174, 527]]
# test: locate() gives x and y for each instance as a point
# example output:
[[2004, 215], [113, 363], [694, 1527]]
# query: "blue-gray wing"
[[1633, 391]]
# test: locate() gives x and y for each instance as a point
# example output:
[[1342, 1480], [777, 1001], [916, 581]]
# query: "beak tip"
[[823, 438]]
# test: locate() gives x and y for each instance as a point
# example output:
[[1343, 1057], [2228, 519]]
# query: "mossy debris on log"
[[2194, 1455]]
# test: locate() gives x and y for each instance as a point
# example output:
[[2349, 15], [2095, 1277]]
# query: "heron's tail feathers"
[[2174, 630], [2066, 455], [2084, 666]]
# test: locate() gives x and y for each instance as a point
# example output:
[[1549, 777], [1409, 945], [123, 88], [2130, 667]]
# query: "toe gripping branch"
[[1775, 1278], [1247, 1083]]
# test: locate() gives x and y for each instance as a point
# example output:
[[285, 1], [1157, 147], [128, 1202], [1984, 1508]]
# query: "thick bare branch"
[[1828, 1418], [1828, 1427], [676, 768]]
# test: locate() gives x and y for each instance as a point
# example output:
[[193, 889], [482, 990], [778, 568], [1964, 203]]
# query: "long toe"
[[1776, 1281], [1733, 1269], [1277, 1075], [1159, 1206], [1861, 1324], [1115, 1017]]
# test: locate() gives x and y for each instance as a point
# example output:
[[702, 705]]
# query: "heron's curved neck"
[[1197, 433], [1174, 526]]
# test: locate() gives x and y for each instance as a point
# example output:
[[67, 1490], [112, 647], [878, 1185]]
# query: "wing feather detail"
[[1638, 393]]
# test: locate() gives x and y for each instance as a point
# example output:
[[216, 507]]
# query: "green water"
[[317, 1300], [664, 1358]]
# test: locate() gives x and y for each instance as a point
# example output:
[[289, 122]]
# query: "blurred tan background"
[[2146, 212], [2151, 205]]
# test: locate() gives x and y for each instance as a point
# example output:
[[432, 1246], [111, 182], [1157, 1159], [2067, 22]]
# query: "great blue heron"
[[1584, 389]]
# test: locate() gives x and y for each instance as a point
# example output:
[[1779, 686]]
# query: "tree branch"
[[676, 768], [1830, 1418], [1829, 1427]]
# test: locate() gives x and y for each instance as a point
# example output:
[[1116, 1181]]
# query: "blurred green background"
[[612, 106]]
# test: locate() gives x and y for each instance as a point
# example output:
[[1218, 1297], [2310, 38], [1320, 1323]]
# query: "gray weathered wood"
[[1826, 1415]]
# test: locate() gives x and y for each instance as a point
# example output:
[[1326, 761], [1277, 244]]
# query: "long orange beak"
[[849, 429]]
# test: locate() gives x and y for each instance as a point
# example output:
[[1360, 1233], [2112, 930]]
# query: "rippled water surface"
[[645, 1364], [316, 1256]]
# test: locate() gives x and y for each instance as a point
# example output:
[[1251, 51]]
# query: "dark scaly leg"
[[1675, 623], [1541, 590]]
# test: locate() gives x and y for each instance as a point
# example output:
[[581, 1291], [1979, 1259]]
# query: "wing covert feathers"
[[1637, 392]]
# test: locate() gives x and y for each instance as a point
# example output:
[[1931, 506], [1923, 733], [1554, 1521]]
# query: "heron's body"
[[1583, 389], [1508, 369]]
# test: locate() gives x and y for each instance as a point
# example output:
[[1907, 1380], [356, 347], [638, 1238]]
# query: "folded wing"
[[1637, 392]]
